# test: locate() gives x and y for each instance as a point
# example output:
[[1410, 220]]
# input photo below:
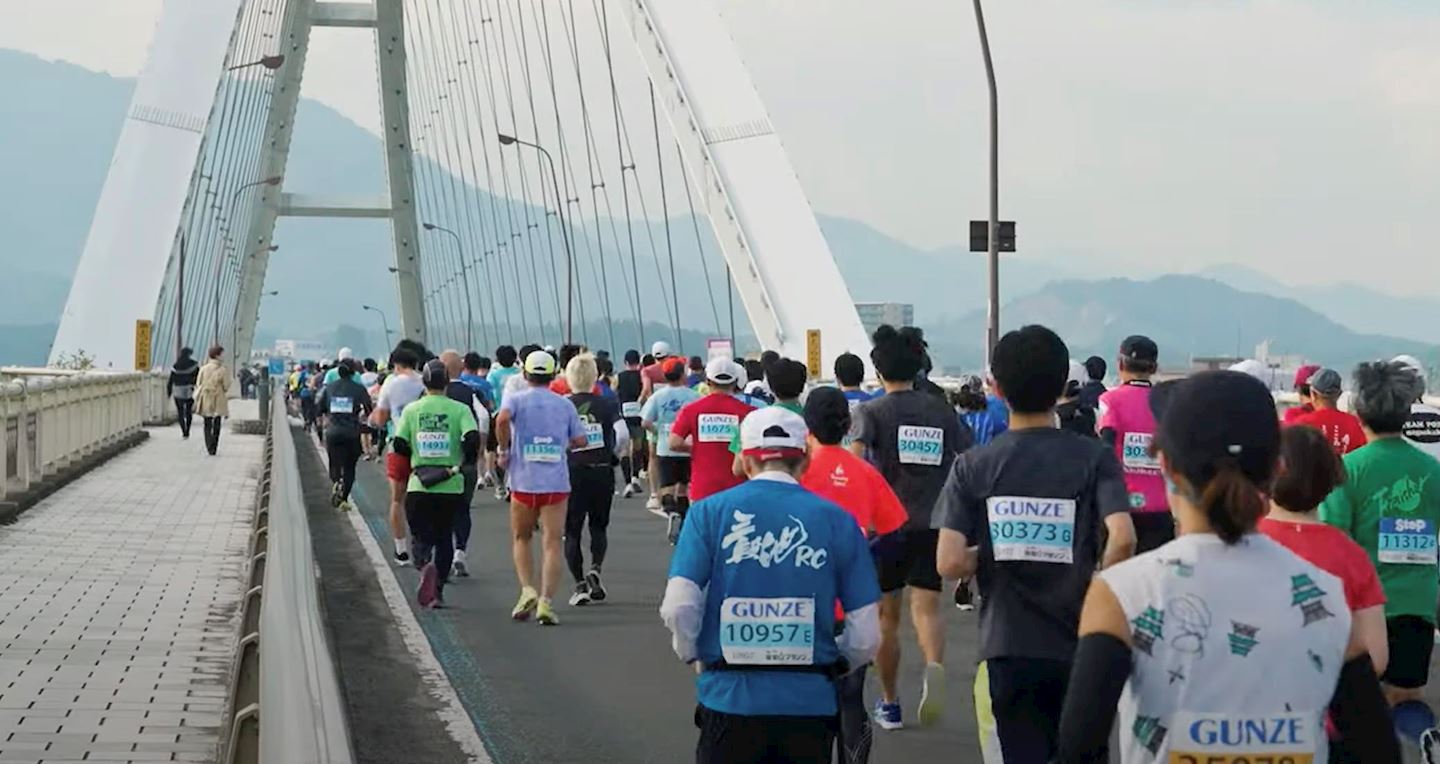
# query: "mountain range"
[[60, 123]]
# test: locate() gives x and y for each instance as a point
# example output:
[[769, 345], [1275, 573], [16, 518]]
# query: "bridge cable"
[[665, 215], [699, 241], [603, 19]]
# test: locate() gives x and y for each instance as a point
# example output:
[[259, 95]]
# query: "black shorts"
[[492, 441], [674, 470], [913, 563], [1022, 721], [730, 739], [1412, 639], [1152, 530]]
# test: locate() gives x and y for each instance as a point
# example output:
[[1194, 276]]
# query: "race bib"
[[1282, 738], [1032, 530], [921, 445], [339, 405], [757, 631], [717, 428], [432, 445], [630, 410], [594, 436], [542, 451], [1405, 541], [1136, 453]]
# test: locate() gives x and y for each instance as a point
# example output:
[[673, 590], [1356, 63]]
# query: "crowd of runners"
[[1234, 587]]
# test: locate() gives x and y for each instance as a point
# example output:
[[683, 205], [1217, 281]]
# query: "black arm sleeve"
[[1361, 713], [1108, 436], [400, 446], [470, 447], [1102, 667]]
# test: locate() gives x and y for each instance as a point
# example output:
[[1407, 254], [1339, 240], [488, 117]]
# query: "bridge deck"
[[118, 605]]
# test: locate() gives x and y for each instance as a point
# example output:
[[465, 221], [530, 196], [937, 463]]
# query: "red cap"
[[1304, 373], [669, 365]]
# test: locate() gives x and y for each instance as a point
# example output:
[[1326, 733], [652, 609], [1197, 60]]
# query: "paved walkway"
[[119, 604]]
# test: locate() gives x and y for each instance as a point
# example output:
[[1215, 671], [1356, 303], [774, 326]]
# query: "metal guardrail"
[[286, 706], [54, 422]]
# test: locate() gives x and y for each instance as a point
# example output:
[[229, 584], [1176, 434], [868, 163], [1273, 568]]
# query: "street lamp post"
[[384, 323], [269, 62], [469, 298], [219, 261], [992, 333], [506, 140]]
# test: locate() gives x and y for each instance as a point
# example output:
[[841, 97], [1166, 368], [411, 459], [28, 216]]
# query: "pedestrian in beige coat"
[[212, 396]]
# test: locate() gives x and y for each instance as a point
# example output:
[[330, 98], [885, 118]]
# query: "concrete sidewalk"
[[118, 605]]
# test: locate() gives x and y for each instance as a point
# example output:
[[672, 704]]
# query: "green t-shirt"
[[792, 406], [435, 427], [1390, 505]]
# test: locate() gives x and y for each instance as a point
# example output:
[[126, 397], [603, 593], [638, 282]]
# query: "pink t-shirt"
[[1126, 410]]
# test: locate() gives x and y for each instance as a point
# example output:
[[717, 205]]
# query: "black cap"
[[435, 375], [1138, 347], [1214, 415]]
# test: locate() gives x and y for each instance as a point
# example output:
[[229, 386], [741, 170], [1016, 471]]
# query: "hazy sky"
[[1301, 137]]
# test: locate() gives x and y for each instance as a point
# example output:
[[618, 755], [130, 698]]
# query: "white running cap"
[[1255, 369], [722, 371], [345, 354], [660, 349]]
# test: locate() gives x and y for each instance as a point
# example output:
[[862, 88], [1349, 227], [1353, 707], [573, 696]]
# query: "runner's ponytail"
[[1231, 502]]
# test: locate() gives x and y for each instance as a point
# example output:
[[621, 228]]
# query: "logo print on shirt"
[[1192, 617], [1305, 595], [1402, 496], [1149, 732], [1315, 660], [1149, 626], [1242, 638], [1178, 566], [838, 477], [771, 549]]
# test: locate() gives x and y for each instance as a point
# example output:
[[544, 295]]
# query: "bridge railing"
[[52, 423]]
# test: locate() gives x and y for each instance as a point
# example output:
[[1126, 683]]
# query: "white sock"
[[400, 546]]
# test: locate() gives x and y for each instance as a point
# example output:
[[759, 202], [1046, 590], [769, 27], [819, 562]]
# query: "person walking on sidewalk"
[[212, 396], [181, 387]]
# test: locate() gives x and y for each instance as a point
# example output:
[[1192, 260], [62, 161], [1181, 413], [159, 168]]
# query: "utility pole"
[[992, 331]]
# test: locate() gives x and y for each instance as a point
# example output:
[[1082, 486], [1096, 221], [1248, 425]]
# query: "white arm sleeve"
[[861, 638], [683, 610], [622, 439]]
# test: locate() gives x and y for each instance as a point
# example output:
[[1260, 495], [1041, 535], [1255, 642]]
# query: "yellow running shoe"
[[528, 599], [545, 615]]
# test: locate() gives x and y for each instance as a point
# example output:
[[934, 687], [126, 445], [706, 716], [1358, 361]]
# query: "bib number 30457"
[[768, 631], [921, 445]]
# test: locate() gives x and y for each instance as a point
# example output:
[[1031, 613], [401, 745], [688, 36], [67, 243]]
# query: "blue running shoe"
[[887, 715]]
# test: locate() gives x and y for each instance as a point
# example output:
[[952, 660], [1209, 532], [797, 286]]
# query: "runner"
[[974, 409], [475, 374], [439, 437], [657, 417], [695, 374], [705, 429], [605, 382], [536, 428], [567, 353], [306, 394], [400, 389], [1127, 426], [1072, 412], [628, 387], [763, 699], [913, 438], [1222, 645], [652, 375], [592, 481], [1390, 505], [849, 374], [460, 392], [844, 478], [507, 368], [1032, 540], [1423, 426], [1342, 430], [1302, 390], [345, 403], [1095, 368], [333, 373]]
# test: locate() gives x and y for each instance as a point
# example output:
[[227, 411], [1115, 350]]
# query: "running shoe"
[[932, 696], [345, 505], [429, 589], [673, 523], [581, 597], [545, 615], [459, 567], [887, 715], [964, 598], [653, 503], [489, 481], [1430, 746], [335, 495], [401, 558], [529, 599], [629, 490], [597, 589]]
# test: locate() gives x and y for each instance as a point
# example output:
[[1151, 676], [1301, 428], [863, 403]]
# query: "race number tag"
[[1032, 530], [1406, 541], [921, 445], [542, 450], [1282, 738], [339, 405], [432, 445], [1136, 453], [594, 436], [717, 428], [757, 631], [630, 409]]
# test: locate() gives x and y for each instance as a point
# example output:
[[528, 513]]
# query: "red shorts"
[[397, 467], [538, 500]]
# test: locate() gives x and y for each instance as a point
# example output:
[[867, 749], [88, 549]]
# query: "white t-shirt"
[[1423, 428], [399, 391], [1237, 652]]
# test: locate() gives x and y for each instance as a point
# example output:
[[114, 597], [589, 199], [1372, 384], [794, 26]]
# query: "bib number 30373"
[[432, 445], [921, 445], [1024, 528], [1283, 738], [342, 405], [1406, 541], [773, 631]]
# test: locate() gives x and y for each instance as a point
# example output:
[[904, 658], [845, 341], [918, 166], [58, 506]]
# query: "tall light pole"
[[384, 323], [219, 261], [992, 332], [506, 140], [269, 62], [469, 298]]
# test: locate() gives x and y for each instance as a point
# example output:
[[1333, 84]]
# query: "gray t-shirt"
[[1034, 501], [912, 438]]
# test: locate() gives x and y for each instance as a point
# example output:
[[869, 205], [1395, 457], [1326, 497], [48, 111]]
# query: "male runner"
[[462, 393], [628, 387], [657, 417], [705, 429], [402, 388], [1342, 430], [506, 360]]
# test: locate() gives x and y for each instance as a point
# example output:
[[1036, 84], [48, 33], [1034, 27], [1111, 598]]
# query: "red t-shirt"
[[561, 386], [1334, 552], [857, 487], [1295, 412], [1341, 429], [711, 423]]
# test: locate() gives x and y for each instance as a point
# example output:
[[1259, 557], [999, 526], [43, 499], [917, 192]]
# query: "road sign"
[[277, 366], [142, 344], [812, 352], [980, 236], [719, 348]]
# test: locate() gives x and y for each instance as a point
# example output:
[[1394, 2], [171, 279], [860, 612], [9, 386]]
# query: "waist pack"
[[430, 477], [831, 670]]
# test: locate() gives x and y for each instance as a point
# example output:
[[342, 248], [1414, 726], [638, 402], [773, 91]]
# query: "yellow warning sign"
[[142, 344], [812, 352]]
